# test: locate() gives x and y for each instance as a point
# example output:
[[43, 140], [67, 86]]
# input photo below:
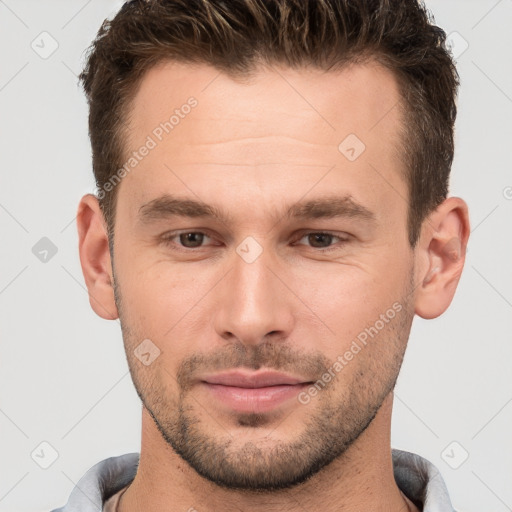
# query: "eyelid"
[[341, 236], [167, 238]]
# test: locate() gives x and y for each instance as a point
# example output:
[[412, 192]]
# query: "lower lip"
[[255, 400]]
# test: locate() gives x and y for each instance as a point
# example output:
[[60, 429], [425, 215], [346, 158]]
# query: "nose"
[[253, 305]]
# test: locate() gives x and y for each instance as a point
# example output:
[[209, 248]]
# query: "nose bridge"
[[253, 303]]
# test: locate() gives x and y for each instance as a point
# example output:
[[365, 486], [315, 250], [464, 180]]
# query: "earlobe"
[[95, 257], [442, 251]]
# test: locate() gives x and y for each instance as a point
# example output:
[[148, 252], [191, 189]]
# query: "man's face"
[[260, 290]]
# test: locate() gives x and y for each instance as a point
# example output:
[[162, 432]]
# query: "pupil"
[[185, 238], [313, 238]]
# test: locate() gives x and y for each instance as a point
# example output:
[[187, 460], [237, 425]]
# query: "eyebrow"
[[333, 206]]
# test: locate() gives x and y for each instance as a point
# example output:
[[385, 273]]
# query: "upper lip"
[[252, 380]]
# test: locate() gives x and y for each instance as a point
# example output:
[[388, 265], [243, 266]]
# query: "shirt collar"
[[416, 477]]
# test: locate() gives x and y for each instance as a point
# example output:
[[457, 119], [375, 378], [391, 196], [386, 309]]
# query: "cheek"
[[153, 289], [349, 298], [165, 306]]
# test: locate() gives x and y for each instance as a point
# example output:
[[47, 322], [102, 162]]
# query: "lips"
[[253, 392], [253, 380]]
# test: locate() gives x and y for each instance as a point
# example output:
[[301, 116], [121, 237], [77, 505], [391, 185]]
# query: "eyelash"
[[167, 240]]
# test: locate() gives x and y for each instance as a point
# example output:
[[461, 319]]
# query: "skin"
[[252, 149]]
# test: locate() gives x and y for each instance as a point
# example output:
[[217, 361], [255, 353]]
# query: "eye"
[[186, 239], [322, 240], [192, 239]]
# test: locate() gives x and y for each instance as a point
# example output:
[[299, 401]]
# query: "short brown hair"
[[236, 35]]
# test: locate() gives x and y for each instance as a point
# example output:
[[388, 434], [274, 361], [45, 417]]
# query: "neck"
[[361, 479]]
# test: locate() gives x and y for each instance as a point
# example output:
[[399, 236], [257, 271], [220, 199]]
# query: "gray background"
[[63, 373]]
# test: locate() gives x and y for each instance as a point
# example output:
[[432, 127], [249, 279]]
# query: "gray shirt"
[[416, 477]]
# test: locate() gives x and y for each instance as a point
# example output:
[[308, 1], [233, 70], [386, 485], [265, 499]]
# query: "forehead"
[[358, 97], [281, 129]]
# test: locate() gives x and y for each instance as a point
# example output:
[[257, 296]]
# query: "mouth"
[[253, 392]]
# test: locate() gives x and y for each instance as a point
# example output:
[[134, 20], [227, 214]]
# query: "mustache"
[[273, 356]]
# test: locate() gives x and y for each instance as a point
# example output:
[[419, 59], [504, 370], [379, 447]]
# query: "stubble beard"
[[336, 418]]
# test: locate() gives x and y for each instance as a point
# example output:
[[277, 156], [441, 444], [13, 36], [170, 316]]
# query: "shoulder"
[[100, 482]]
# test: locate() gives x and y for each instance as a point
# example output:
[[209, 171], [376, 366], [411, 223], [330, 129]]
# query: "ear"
[[440, 256], [95, 257]]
